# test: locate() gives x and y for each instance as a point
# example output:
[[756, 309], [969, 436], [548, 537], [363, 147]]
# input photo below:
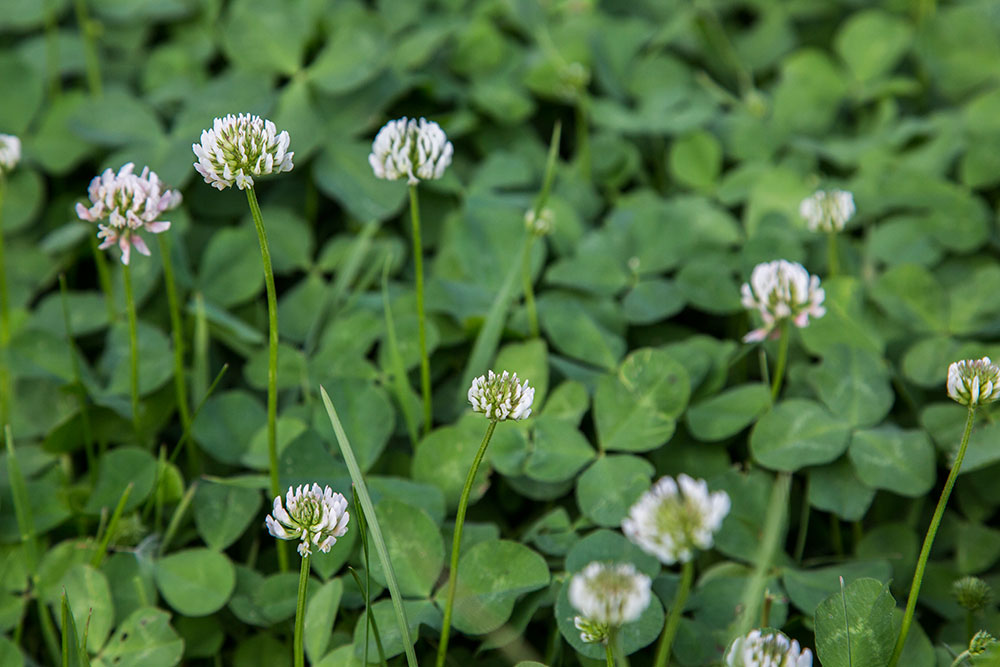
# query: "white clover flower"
[[766, 649], [10, 153], [610, 594], [673, 519], [590, 631], [314, 515], [779, 291], [237, 148], [542, 224], [500, 397], [417, 149], [130, 202], [827, 210], [974, 381]]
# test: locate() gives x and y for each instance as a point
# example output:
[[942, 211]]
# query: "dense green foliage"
[[691, 131]]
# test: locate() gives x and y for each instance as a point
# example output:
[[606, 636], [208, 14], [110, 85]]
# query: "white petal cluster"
[[10, 152], [542, 224], [779, 291], [590, 631], [610, 594], [237, 148], [501, 397], [827, 210], [130, 202], [766, 649], [314, 515], [974, 381], [673, 519], [416, 149]]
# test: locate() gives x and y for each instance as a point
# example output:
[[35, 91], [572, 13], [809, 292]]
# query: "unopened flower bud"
[[591, 632], [540, 225], [972, 593]]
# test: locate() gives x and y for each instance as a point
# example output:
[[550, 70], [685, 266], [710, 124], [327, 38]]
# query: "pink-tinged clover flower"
[[781, 291], [130, 203], [316, 516]]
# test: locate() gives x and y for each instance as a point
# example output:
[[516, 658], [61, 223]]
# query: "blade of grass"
[[102, 549], [399, 381], [22, 503], [186, 435], [369, 511], [175, 519]]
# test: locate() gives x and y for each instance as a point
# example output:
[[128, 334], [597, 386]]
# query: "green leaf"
[[415, 547], [582, 328], [854, 384], [223, 511], [353, 54], [837, 488], [119, 468], [608, 488], [978, 547], [724, 415], [530, 360], [901, 461], [444, 456], [911, 295], [798, 433], [555, 451], [227, 423], [231, 270], [266, 38], [807, 589], [491, 576], [144, 639], [396, 638], [321, 614], [90, 598], [696, 159], [636, 410], [195, 582], [869, 622], [872, 42], [342, 172], [610, 546]]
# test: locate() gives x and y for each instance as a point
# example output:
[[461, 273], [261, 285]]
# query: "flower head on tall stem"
[[974, 381], [10, 153], [610, 594], [673, 519], [416, 149], [782, 291], [130, 202], [827, 210], [316, 516], [542, 224], [237, 148], [501, 397], [766, 648]]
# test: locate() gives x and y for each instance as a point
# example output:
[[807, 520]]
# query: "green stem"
[[457, 541], [133, 341], [774, 521], [970, 627], [960, 658], [89, 29], [300, 613], [800, 543], [529, 289], [104, 278], [5, 375], [418, 263], [832, 258], [176, 324], [608, 653], [674, 617], [925, 551], [272, 359], [779, 367]]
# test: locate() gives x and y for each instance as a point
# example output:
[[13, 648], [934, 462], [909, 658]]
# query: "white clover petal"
[[974, 381], [766, 649], [607, 594], [781, 291], [501, 397], [315, 515], [238, 148], [827, 211], [10, 152], [416, 149]]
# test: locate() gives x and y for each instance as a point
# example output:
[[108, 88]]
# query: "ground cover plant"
[[507, 332]]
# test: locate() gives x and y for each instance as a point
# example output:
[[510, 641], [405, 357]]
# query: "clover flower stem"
[[970, 624], [925, 551], [300, 613], [5, 388], [832, 258], [779, 367], [89, 28], [674, 617], [133, 347], [457, 541], [180, 385], [418, 263], [609, 654], [272, 359], [960, 658], [529, 290], [774, 520]]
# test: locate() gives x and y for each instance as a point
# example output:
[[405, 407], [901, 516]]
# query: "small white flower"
[[417, 149], [540, 225], [779, 291], [501, 397], [827, 210], [607, 594], [591, 632], [673, 519], [237, 148], [314, 515], [130, 202], [766, 649], [10, 153], [974, 381]]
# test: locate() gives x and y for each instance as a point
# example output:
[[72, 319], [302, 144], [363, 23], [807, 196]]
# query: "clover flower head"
[[10, 153], [237, 148], [980, 642], [416, 149], [780, 291], [610, 594], [673, 519], [131, 202], [974, 381], [972, 593], [316, 516], [827, 210], [501, 397], [766, 648], [590, 631], [542, 224]]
